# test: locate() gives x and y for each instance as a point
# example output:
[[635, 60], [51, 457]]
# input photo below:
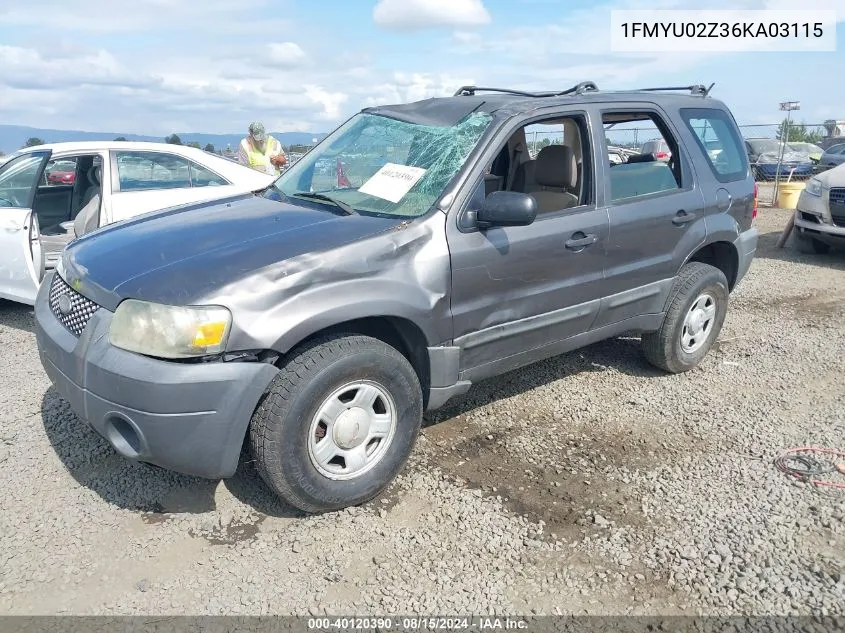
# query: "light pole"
[[789, 106]]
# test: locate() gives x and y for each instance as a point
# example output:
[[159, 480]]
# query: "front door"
[[520, 290], [21, 259]]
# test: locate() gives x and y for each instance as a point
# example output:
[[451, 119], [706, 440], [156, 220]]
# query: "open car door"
[[21, 257]]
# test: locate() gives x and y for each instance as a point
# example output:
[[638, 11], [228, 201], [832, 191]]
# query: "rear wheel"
[[337, 424], [698, 304]]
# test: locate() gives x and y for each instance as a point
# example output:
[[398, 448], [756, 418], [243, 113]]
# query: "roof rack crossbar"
[[469, 91], [696, 89], [584, 86]]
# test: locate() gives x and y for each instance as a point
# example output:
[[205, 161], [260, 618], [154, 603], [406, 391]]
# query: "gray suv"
[[417, 250]]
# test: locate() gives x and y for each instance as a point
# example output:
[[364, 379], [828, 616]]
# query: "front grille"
[[837, 205], [81, 308]]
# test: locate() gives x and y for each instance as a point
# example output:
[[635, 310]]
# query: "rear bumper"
[[746, 248], [189, 418]]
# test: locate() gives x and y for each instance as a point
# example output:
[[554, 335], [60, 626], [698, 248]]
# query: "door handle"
[[581, 242], [682, 217], [14, 228]]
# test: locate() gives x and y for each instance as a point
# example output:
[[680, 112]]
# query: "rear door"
[[657, 218], [21, 258]]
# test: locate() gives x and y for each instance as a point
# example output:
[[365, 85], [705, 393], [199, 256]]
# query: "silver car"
[[820, 213]]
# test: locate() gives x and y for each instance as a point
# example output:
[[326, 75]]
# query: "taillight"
[[661, 155], [754, 214]]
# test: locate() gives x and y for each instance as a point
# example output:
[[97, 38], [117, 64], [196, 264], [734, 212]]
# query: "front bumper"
[[746, 248], [189, 418], [814, 220]]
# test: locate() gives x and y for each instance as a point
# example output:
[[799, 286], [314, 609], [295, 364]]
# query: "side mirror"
[[506, 208]]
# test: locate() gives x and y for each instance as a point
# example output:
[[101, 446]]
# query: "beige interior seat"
[[88, 217], [555, 174]]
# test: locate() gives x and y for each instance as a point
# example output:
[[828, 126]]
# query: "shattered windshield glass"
[[384, 166]]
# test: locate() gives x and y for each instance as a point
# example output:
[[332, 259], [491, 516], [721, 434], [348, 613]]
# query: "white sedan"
[[51, 193]]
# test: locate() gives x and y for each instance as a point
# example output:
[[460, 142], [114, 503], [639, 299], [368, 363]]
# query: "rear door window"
[[142, 171], [719, 141], [656, 169]]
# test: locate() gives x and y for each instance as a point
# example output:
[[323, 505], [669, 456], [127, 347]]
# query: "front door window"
[[18, 179]]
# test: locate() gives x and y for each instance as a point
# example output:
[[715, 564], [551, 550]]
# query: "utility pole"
[[789, 106]]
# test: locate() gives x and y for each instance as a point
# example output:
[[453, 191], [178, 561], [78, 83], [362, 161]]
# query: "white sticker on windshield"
[[392, 182]]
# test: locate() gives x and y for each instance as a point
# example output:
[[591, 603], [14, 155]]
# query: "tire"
[[820, 247], [286, 421], [665, 349]]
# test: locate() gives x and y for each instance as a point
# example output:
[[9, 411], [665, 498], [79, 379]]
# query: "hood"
[[789, 156], [178, 256], [834, 177]]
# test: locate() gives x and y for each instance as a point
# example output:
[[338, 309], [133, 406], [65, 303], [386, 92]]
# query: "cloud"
[[405, 87], [109, 16], [286, 55], [409, 15], [30, 69], [331, 101], [63, 68]]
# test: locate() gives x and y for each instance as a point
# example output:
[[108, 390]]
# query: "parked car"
[[659, 147], [820, 212], [111, 182], [833, 155], [319, 324], [813, 151], [62, 172], [619, 155], [765, 153]]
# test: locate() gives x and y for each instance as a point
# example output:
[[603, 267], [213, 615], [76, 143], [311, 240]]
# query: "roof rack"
[[584, 86], [469, 91], [696, 89]]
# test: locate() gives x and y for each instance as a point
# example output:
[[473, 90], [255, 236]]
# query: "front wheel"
[[698, 304], [337, 423]]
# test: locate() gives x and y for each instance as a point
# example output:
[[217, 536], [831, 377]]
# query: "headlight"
[[167, 331], [814, 187]]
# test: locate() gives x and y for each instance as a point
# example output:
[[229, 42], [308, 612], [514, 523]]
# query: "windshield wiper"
[[321, 196]]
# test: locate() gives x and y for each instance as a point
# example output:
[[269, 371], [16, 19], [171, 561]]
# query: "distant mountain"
[[12, 137]]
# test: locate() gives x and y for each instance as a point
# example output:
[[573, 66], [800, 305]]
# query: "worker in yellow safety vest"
[[261, 151]]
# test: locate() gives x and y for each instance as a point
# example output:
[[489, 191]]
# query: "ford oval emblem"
[[65, 305]]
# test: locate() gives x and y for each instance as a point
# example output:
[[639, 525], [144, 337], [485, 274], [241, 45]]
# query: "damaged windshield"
[[374, 164]]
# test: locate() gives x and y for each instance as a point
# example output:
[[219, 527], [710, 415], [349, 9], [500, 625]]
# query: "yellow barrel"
[[788, 193]]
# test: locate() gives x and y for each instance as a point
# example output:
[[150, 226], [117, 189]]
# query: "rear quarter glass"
[[715, 124]]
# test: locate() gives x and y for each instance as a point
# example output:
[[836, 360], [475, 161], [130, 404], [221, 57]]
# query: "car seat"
[[55, 238]]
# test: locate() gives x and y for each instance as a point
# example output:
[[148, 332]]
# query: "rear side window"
[[654, 167], [719, 141], [140, 171]]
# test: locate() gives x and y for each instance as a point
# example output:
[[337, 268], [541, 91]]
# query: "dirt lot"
[[590, 483]]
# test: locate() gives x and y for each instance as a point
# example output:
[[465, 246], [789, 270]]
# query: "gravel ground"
[[590, 483]]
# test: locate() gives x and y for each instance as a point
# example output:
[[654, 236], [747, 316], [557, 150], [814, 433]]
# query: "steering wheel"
[[7, 203]]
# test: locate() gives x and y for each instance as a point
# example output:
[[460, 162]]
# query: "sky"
[[162, 66]]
